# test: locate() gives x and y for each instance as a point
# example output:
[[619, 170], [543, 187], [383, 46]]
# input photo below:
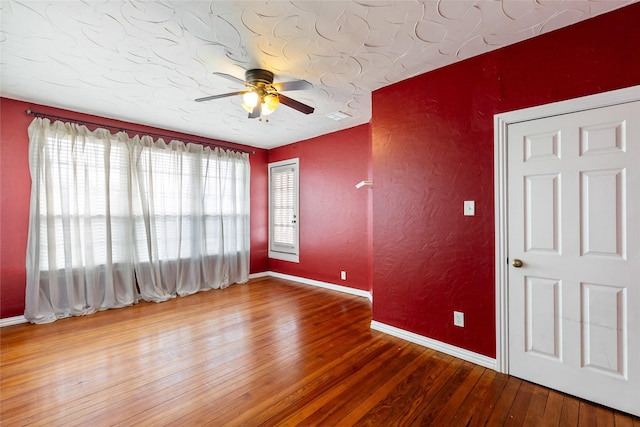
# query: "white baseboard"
[[326, 285], [15, 320], [449, 349]]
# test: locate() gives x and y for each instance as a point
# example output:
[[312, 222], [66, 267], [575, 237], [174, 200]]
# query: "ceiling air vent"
[[337, 116]]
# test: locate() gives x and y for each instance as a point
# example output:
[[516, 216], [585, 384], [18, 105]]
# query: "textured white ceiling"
[[145, 62]]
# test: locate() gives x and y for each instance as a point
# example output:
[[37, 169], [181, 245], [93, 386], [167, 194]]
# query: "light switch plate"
[[469, 208]]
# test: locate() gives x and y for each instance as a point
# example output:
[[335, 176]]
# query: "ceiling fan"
[[262, 96]]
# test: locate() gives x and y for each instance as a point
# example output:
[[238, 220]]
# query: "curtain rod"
[[120, 128]]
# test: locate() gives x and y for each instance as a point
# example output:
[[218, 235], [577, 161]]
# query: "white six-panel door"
[[573, 199]]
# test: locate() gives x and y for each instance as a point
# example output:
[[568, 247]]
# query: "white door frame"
[[501, 122]]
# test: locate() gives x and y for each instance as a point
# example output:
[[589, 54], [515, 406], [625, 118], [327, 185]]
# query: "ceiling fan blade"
[[294, 85], [224, 95], [296, 105], [257, 111], [230, 77]]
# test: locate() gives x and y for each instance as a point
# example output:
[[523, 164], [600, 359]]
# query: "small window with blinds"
[[283, 210]]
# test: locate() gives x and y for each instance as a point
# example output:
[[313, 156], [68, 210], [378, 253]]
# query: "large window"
[[284, 221], [114, 219], [193, 198], [84, 202]]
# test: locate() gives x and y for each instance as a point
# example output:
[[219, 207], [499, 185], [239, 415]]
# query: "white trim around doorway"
[[501, 122]]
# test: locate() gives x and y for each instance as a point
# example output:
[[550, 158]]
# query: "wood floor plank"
[[535, 410], [604, 417], [501, 411], [620, 420], [587, 415], [570, 411], [482, 396], [271, 352], [443, 410], [518, 411], [553, 409]]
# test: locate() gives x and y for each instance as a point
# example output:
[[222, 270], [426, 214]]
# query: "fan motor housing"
[[259, 77]]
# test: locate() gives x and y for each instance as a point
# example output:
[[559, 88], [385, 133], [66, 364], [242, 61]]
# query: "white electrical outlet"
[[458, 319], [469, 208], [343, 275]]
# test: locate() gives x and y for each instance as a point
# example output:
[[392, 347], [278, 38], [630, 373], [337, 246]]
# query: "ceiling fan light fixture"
[[250, 99], [246, 107], [269, 104], [261, 96]]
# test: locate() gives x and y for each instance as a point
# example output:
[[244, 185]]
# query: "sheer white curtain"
[[115, 218], [191, 210]]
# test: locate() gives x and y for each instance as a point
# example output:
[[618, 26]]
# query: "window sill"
[[284, 256]]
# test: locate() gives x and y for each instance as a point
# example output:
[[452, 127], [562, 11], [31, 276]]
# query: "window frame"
[[282, 253]]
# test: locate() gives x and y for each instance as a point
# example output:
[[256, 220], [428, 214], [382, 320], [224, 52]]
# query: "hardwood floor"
[[271, 353]]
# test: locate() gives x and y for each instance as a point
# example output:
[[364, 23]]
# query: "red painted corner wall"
[[432, 139], [15, 188], [259, 227], [333, 213]]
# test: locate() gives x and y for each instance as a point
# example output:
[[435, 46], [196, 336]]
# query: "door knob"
[[516, 263]]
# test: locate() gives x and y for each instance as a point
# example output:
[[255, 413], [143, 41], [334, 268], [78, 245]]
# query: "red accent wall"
[[432, 139], [333, 213], [15, 188]]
